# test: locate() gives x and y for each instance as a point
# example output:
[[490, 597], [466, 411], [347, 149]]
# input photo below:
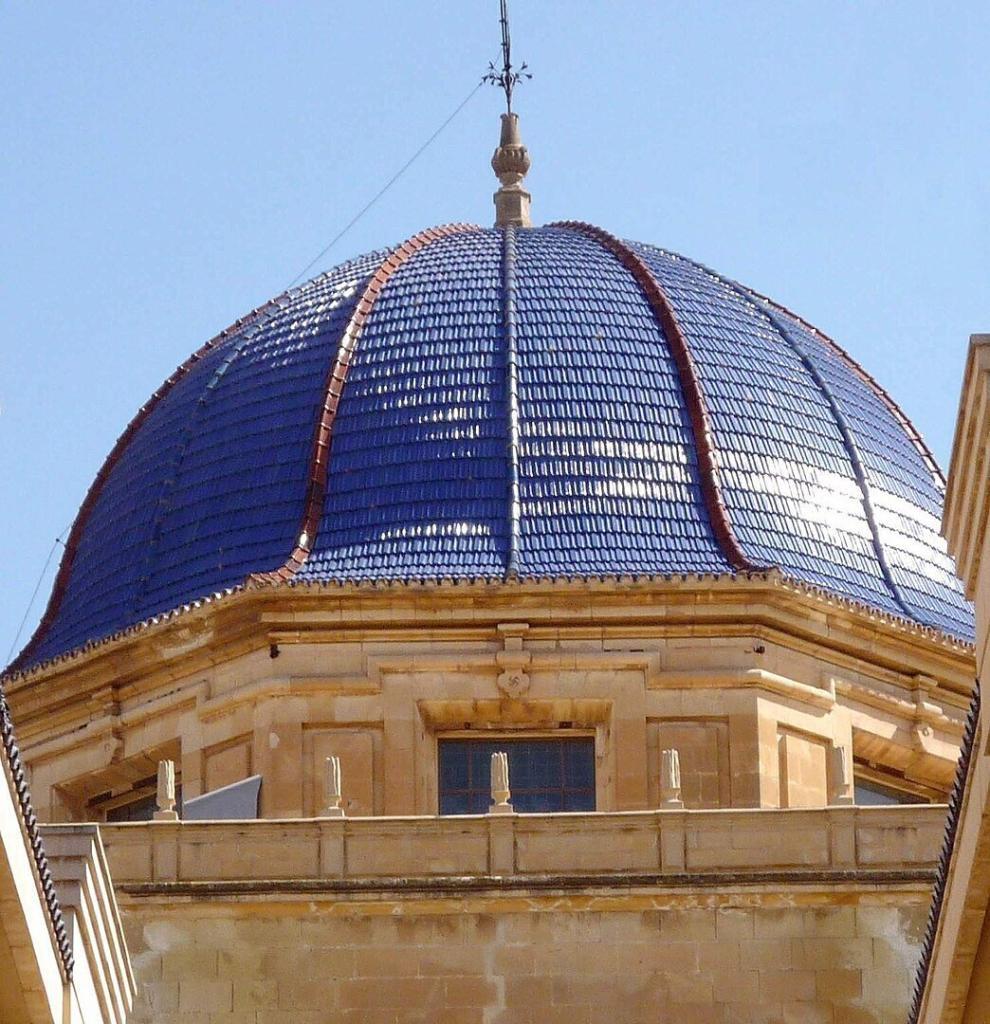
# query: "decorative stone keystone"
[[500, 784], [844, 793], [166, 792], [333, 790], [670, 779]]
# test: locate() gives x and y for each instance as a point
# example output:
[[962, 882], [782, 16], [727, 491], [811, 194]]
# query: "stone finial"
[[670, 779], [332, 787], [500, 784], [510, 164], [166, 792], [844, 792]]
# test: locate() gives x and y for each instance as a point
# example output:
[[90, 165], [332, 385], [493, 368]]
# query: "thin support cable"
[[34, 593], [61, 583], [68, 557], [388, 184], [511, 396]]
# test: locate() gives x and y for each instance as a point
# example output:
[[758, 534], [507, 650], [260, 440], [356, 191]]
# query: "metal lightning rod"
[[506, 77]]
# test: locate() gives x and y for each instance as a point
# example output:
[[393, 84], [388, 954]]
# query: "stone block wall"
[[842, 959], [676, 917]]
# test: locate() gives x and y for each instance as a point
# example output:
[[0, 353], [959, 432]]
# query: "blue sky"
[[167, 167]]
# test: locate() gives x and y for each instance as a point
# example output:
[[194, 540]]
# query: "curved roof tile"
[[514, 404]]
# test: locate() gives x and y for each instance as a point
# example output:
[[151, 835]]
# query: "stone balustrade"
[[532, 850]]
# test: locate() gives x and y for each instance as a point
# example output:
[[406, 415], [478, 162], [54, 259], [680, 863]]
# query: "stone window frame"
[[561, 735], [495, 719]]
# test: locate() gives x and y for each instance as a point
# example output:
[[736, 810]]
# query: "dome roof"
[[509, 403]]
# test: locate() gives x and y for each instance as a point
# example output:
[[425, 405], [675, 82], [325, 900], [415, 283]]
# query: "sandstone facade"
[[769, 898], [476, 920]]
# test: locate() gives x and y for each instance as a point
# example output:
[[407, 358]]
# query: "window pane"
[[137, 810], [579, 800], [545, 775], [579, 767], [480, 756], [873, 794], [454, 767], [141, 809]]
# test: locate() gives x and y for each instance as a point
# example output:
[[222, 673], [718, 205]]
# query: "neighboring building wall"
[[695, 917], [63, 959], [102, 987], [957, 975], [36, 955], [33, 972]]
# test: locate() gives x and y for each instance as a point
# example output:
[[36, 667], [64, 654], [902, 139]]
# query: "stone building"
[[63, 957], [533, 491], [953, 985]]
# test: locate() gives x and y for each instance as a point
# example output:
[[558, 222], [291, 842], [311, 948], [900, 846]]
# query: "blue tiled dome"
[[510, 403]]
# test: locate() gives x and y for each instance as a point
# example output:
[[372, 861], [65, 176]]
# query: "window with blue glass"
[[545, 775], [870, 793]]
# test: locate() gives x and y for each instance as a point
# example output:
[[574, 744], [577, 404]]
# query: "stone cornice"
[[144, 663], [967, 499]]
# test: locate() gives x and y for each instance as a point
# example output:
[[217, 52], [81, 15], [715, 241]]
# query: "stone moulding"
[[802, 604], [149, 680], [967, 505], [456, 887]]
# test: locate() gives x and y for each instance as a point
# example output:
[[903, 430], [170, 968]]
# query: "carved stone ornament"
[[333, 789], [166, 792], [500, 784], [670, 779], [510, 162], [514, 662], [513, 683], [844, 793]]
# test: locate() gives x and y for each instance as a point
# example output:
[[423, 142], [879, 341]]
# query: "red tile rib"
[[690, 385], [96, 488], [319, 460]]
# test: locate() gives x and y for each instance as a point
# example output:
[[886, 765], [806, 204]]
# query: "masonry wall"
[[687, 917], [695, 958]]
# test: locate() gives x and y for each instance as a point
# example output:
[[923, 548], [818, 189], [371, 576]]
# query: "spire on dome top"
[[511, 160], [510, 164], [506, 77]]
